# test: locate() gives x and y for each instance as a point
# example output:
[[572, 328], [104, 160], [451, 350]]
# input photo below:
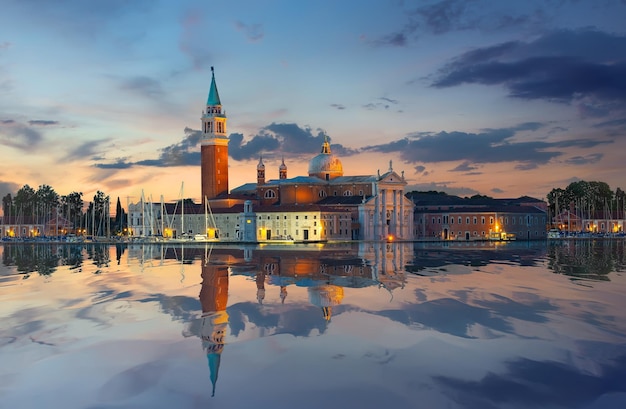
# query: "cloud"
[[253, 32], [41, 122], [564, 66], [271, 141], [442, 187], [420, 168], [338, 106], [497, 190], [277, 138], [193, 39], [80, 20], [385, 104], [444, 16], [84, 150], [144, 86], [464, 167], [5, 45], [19, 136], [585, 160], [8, 187], [490, 146]]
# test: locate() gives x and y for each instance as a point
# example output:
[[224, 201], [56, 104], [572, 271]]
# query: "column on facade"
[[376, 217], [403, 234], [383, 224], [394, 217]]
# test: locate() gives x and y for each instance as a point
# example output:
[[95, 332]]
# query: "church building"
[[321, 206]]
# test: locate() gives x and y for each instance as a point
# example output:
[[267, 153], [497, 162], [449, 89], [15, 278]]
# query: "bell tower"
[[214, 150]]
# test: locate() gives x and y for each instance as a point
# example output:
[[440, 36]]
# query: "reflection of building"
[[214, 299]]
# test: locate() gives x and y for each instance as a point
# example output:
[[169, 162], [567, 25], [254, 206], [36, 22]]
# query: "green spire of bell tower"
[[214, 96]]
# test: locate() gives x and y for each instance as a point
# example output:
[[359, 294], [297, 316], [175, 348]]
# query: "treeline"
[[587, 199], [44, 204]]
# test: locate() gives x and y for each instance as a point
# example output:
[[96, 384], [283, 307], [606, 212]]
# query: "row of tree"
[[45, 204], [588, 200]]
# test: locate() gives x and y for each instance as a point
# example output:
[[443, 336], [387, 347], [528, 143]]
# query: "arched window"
[[322, 193], [347, 193], [270, 194]]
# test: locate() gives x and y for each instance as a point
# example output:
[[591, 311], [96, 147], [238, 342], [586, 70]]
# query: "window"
[[475, 220], [322, 193], [315, 232], [360, 193], [297, 217], [270, 194], [347, 193], [438, 220], [460, 220], [491, 220], [482, 220], [452, 220], [467, 220], [314, 223], [306, 217]]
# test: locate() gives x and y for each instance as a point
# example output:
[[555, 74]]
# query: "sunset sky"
[[500, 98]]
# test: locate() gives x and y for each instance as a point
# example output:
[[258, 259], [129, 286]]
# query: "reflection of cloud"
[[531, 383], [298, 320]]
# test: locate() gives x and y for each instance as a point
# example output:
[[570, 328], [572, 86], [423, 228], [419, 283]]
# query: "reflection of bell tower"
[[214, 151], [214, 298]]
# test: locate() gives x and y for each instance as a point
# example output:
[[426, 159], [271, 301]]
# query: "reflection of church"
[[323, 205], [214, 299], [324, 274]]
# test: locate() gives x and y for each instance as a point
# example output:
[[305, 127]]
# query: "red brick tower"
[[214, 151]]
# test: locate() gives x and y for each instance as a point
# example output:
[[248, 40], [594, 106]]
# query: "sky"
[[490, 97]]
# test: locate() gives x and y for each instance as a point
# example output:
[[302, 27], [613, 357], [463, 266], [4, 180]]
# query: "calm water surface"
[[519, 325]]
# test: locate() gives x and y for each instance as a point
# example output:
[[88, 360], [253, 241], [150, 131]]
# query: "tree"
[[46, 199], [101, 212], [25, 201], [72, 208], [7, 205]]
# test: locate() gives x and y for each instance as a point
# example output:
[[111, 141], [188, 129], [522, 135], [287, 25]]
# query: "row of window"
[[503, 220], [271, 194]]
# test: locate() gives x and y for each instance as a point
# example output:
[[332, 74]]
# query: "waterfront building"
[[444, 217]]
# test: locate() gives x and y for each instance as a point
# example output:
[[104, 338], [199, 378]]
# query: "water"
[[476, 325]]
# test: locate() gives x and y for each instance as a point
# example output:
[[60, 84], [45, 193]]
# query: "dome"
[[325, 165]]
